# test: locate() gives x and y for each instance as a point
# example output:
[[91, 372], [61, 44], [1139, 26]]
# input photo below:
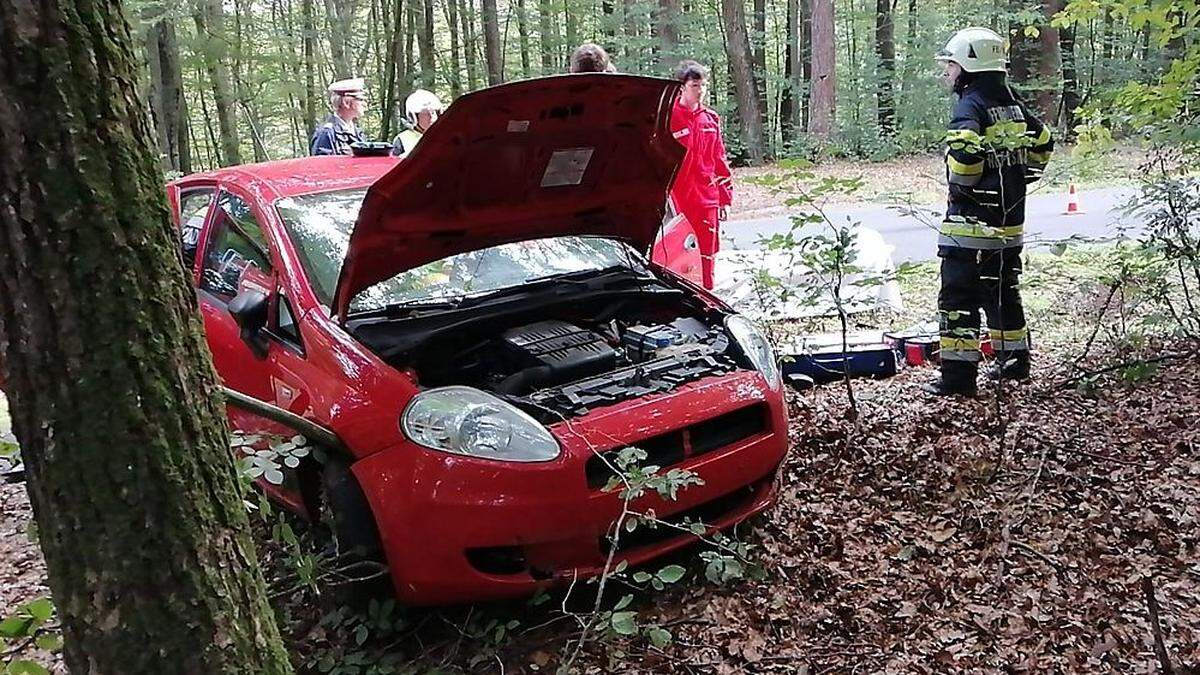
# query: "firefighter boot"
[[1010, 366], [957, 379]]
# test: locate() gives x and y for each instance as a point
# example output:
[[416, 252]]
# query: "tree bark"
[[455, 69], [425, 40], [629, 51], [758, 51], [737, 47], [668, 34], [791, 73], [310, 67], [885, 52], [823, 80], [340, 14], [523, 31], [549, 37], [166, 94], [114, 399], [1048, 66], [1070, 91], [210, 30], [491, 42], [396, 74], [467, 14]]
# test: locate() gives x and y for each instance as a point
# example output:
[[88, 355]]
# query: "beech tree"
[[113, 397]]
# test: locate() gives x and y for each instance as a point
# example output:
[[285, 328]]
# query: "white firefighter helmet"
[[420, 101], [977, 50]]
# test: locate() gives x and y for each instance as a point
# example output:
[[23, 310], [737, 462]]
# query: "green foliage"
[[31, 625]]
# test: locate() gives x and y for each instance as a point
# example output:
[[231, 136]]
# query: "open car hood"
[[566, 155]]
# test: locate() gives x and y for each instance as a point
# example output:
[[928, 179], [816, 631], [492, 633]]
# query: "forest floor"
[[920, 179]]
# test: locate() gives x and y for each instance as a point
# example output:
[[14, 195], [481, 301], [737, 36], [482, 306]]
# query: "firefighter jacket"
[[696, 186], [995, 146]]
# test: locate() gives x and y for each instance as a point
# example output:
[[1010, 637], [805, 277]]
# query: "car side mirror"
[[249, 310]]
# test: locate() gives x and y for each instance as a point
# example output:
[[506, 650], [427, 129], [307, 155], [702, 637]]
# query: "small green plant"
[[31, 625]]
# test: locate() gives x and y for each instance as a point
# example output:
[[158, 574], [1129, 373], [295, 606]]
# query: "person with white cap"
[[994, 147], [347, 99], [421, 109]]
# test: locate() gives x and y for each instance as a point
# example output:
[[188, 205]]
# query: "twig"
[[1124, 364], [1160, 648], [1029, 549], [1106, 458]]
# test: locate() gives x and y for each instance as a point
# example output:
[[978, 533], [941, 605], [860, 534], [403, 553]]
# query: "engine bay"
[[561, 360]]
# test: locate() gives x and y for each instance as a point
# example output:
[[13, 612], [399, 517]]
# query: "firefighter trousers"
[[975, 279]]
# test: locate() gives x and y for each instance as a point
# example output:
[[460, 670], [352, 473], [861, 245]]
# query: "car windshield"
[[320, 226]]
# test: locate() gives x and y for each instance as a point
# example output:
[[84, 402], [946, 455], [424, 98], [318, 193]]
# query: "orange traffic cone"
[[1072, 202]]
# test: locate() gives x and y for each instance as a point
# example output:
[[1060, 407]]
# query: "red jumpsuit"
[[702, 186]]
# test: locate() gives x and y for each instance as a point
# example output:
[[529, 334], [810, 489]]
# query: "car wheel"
[[359, 560]]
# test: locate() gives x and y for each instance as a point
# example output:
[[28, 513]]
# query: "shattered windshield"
[[320, 226]]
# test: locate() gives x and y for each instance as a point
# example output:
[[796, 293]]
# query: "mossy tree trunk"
[[114, 400]]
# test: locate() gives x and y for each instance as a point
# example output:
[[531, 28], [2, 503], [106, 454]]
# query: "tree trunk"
[[1022, 50], [549, 36], [340, 14], [114, 400], [805, 92], [629, 51], [523, 31], [396, 74], [791, 72], [491, 42], [425, 40], [668, 34], [737, 47], [1048, 66], [823, 80], [467, 14], [1070, 92], [166, 95], [758, 51], [885, 52], [571, 25], [310, 68], [210, 30], [455, 69]]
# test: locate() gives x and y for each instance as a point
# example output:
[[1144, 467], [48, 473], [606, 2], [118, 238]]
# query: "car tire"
[[348, 516]]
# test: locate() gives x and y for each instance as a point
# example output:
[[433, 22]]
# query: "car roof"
[[291, 177]]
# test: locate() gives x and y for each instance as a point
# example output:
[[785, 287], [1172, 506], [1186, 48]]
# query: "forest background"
[[244, 80]]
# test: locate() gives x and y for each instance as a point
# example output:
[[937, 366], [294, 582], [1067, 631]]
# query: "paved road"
[[915, 238]]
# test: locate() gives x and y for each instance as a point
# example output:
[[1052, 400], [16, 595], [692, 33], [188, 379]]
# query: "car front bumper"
[[459, 529]]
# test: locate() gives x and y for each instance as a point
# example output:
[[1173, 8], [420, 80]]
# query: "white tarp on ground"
[[739, 274]]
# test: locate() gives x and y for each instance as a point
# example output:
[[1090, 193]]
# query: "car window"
[[236, 243], [193, 208], [320, 225], [286, 328]]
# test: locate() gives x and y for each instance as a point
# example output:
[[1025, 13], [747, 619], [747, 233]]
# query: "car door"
[[237, 256]]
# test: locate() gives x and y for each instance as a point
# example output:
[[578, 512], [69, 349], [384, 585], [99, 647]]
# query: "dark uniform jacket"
[[995, 146], [334, 137]]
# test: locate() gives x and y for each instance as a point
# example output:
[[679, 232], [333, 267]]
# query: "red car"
[[473, 331]]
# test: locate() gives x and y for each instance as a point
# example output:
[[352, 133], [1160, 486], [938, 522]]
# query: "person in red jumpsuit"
[[703, 188]]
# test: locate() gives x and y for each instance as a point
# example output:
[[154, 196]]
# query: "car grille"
[[672, 448], [708, 513]]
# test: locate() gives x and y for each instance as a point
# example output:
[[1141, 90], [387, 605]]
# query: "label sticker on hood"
[[566, 167], [518, 126]]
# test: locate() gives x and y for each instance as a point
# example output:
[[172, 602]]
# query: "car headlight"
[[470, 422], [756, 347]]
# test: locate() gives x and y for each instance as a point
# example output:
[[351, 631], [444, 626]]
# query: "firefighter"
[[995, 146], [703, 188], [421, 109], [347, 100]]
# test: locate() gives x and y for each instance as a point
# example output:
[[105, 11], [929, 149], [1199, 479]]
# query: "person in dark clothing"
[[347, 101], [994, 147], [590, 57]]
